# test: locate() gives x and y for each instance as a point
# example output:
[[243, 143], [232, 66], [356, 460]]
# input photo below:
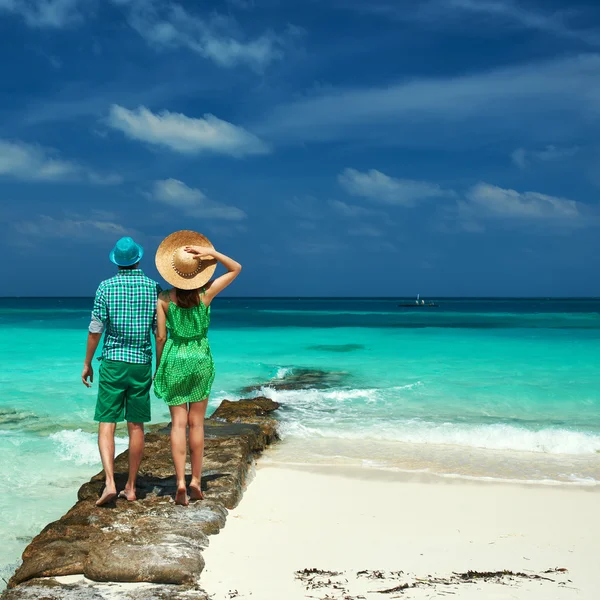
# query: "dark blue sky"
[[334, 147]]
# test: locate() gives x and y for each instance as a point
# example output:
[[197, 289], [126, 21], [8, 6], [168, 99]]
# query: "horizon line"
[[298, 297]]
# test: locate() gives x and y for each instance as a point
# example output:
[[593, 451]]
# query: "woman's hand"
[[200, 251]]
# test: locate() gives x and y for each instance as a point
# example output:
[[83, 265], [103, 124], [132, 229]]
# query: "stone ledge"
[[53, 589], [152, 540]]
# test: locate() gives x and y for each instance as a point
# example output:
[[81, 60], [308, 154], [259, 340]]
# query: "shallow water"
[[475, 388]]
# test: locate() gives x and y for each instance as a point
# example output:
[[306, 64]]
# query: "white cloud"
[[34, 163], [463, 14], [490, 201], [461, 110], [519, 157], [549, 22], [185, 134], [166, 25], [524, 158], [482, 201], [352, 210], [74, 102], [485, 204], [101, 179], [193, 201], [216, 37], [72, 226], [379, 187], [54, 14]]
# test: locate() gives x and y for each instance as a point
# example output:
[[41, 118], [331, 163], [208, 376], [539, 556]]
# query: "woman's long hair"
[[187, 298]]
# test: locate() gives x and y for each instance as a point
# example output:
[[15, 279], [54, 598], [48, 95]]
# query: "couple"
[[127, 309]]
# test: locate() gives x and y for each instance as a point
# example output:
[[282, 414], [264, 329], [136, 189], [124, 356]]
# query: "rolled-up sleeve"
[[99, 313], [96, 326]]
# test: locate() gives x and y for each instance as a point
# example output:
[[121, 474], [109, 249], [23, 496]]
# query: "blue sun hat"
[[126, 253]]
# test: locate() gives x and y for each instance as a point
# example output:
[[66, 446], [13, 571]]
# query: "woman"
[[184, 365]]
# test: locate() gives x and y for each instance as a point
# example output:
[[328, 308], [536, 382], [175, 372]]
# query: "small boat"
[[420, 304]]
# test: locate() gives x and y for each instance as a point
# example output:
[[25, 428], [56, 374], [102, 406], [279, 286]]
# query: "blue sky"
[[334, 147]]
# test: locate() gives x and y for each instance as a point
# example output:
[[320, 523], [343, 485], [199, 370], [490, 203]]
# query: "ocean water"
[[496, 388]]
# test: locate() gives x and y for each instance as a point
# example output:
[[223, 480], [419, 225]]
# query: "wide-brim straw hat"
[[180, 268]]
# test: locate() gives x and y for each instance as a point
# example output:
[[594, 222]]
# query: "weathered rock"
[[206, 518], [302, 379], [65, 546], [257, 431], [252, 407], [51, 589], [170, 558], [252, 411], [151, 540]]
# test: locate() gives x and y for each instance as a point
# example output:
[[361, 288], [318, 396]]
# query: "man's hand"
[[88, 371]]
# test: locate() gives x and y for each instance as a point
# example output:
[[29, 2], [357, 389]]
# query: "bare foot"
[[196, 492], [108, 495], [128, 494], [181, 497]]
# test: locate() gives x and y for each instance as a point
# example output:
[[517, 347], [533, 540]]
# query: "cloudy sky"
[[334, 147]]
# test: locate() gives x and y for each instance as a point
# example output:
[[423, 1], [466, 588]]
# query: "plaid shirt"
[[125, 309]]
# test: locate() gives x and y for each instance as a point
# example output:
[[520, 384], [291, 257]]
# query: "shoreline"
[[384, 473], [290, 453], [438, 460], [310, 528], [352, 520]]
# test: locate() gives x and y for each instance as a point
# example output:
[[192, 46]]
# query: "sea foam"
[[493, 437], [333, 414], [81, 447]]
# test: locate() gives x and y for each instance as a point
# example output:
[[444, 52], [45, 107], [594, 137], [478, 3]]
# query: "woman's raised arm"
[[216, 286]]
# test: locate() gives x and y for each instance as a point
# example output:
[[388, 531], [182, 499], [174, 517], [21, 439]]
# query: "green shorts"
[[123, 392]]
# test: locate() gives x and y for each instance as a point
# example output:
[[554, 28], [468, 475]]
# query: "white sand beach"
[[352, 519]]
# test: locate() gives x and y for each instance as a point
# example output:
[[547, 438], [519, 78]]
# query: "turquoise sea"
[[485, 388]]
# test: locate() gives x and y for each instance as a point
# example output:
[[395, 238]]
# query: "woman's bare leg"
[[196, 423], [179, 419]]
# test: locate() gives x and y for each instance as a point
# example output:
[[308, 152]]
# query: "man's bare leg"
[[196, 423], [136, 451], [106, 444]]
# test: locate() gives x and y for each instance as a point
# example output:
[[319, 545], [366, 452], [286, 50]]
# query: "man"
[[125, 311]]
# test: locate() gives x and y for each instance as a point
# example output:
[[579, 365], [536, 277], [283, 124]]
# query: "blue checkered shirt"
[[125, 309]]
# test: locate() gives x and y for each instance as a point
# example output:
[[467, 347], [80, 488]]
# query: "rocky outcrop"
[[52, 589], [152, 540], [303, 379], [248, 412]]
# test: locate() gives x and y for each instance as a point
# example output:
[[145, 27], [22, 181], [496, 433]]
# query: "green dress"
[[186, 371]]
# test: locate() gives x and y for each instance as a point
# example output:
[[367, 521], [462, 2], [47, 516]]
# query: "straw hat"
[[179, 267]]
